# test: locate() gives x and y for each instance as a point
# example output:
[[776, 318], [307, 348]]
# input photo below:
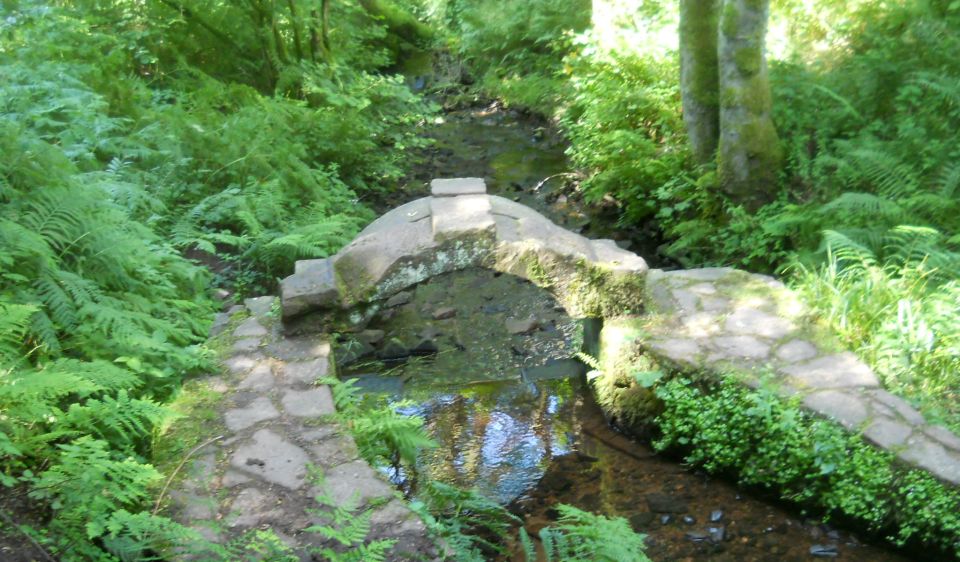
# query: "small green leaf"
[[647, 379]]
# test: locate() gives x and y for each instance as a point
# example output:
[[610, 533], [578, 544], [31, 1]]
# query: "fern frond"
[[14, 325], [88, 484], [121, 421]]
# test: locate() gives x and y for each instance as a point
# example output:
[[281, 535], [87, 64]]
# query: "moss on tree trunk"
[[749, 153], [699, 75]]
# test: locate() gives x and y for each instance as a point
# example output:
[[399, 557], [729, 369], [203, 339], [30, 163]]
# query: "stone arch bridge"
[[275, 423]]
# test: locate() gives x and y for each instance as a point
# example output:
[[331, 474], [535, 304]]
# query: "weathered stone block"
[[300, 348], [457, 186], [840, 370], [364, 263], [308, 403], [738, 347], [272, 458], [257, 411], [260, 307], [310, 290], [931, 455], [896, 406], [887, 433], [250, 328], [758, 323], [306, 372], [466, 216], [614, 258], [848, 409], [355, 480], [796, 350], [414, 211], [678, 350]]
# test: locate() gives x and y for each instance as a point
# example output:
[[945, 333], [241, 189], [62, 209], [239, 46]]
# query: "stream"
[[489, 361]]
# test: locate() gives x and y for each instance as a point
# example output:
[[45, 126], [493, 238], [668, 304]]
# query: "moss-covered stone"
[[617, 388]]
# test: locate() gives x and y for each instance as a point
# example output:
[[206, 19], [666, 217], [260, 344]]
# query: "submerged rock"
[[444, 313], [393, 350], [425, 346], [824, 551], [517, 326], [663, 503]]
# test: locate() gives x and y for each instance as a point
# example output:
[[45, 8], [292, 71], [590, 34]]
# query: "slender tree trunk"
[[749, 155], [325, 26], [295, 24], [699, 76]]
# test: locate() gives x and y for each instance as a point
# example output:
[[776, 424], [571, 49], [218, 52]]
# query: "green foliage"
[[897, 312], [580, 536], [769, 442], [381, 432], [347, 527], [623, 123], [132, 134], [469, 524], [515, 47]]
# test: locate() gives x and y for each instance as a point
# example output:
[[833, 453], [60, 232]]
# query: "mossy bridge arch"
[[459, 226]]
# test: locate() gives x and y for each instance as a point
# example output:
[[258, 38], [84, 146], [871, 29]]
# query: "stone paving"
[[277, 429], [727, 321]]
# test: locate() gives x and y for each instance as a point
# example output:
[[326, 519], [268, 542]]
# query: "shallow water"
[[513, 417]]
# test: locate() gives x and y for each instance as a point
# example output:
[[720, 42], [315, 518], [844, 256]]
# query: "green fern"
[[580, 536], [89, 483], [349, 527]]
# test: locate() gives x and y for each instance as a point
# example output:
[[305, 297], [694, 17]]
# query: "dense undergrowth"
[[867, 105], [770, 443], [133, 134]]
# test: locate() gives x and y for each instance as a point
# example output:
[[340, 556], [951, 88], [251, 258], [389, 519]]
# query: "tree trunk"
[[749, 155], [699, 76]]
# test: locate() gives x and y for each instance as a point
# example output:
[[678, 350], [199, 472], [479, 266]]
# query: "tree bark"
[[699, 76], [749, 153]]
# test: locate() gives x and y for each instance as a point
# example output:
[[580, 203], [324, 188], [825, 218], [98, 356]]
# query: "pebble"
[[824, 551], [444, 313]]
